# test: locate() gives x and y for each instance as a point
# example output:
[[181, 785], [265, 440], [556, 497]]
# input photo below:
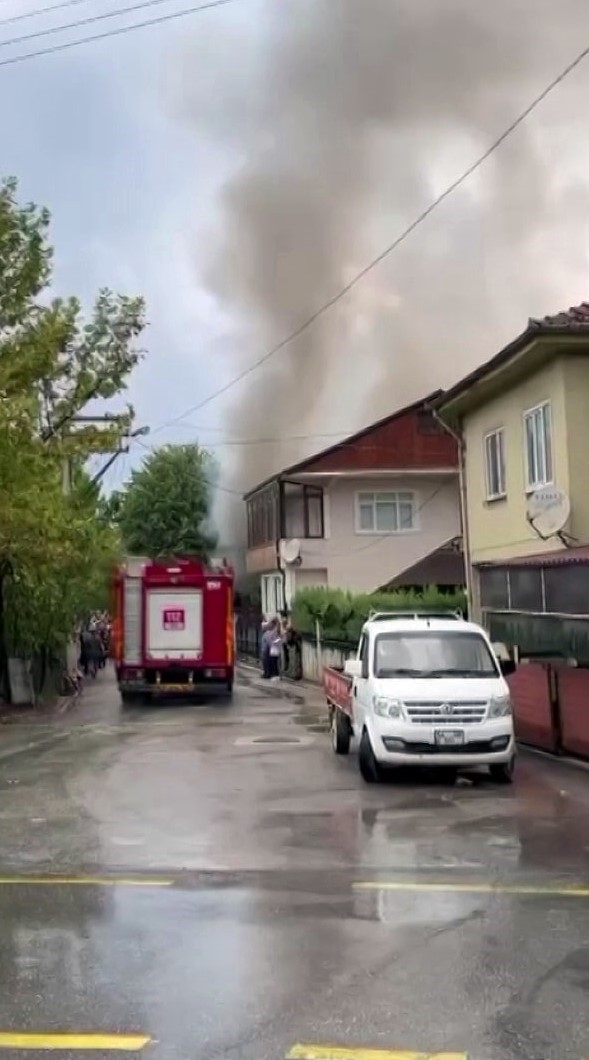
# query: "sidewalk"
[[297, 691]]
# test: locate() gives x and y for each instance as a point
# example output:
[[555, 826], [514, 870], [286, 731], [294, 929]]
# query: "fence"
[[248, 636], [317, 654], [550, 707]]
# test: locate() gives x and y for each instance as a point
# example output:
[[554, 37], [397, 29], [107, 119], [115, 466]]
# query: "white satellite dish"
[[548, 510], [290, 551]]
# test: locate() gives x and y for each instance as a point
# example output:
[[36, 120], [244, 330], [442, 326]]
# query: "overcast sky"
[[237, 166]]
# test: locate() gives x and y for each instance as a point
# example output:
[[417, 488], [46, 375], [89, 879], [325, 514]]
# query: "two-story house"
[[360, 513], [524, 421]]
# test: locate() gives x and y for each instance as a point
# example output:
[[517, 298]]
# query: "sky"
[[238, 166]]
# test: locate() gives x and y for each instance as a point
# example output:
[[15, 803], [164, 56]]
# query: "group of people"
[[94, 640], [276, 637]]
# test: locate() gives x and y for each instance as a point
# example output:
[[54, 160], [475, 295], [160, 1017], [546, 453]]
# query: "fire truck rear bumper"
[[146, 683]]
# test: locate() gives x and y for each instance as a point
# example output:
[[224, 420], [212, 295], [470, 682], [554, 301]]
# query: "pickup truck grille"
[[446, 712]]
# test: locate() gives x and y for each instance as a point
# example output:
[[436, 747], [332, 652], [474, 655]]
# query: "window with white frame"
[[386, 513], [538, 446], [495, 464]]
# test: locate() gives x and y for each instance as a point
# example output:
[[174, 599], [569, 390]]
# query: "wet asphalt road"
[[230, 898]]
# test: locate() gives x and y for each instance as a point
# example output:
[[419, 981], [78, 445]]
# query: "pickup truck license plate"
[[449, 737]]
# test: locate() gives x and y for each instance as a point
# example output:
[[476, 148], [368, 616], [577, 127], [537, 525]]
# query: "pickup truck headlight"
[[387, 708], [500, 707]]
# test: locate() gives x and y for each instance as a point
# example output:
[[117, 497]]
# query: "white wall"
[[363, 562]]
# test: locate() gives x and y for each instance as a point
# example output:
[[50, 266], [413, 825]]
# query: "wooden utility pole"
[[123, 447]]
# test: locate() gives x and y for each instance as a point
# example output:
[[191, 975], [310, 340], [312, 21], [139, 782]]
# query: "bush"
[[342, 614]]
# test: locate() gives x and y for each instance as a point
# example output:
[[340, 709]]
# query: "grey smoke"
[[337, 122]]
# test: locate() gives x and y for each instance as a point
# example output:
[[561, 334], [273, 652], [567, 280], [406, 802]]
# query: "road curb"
[[563, 760], [292, 691]]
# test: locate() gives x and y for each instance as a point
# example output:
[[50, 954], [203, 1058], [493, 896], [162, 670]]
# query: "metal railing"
[[386, 616]]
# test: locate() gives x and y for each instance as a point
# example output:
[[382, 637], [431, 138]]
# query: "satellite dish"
[[290, 551], [548, 510]]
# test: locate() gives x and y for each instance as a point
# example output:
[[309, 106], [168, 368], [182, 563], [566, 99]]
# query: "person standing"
[[271, 649], [276, 645]]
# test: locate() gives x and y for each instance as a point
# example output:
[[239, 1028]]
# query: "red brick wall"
[[573, 695], [398, 443], [532, 712]]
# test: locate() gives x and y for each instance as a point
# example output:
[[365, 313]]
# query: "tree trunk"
[[5, 690]]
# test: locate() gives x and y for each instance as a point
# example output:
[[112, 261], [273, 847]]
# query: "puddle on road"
[[313, 722]]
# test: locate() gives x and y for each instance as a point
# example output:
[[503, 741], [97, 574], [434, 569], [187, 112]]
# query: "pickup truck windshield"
[[430, 654]]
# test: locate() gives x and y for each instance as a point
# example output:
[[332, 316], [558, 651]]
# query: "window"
[[567, 590], [262, 517], [418, 654], [363, 654], [385, 513], [495, 465], [493, 588], [302, 510], [525, 589], [538, 446]]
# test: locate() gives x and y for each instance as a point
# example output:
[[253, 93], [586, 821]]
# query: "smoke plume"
[[338, 121]]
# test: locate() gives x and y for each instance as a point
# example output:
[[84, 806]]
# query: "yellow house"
[[523, 418]]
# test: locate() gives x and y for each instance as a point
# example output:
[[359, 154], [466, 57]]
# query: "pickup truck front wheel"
[[502, 772], [369, 767], [340, 732]]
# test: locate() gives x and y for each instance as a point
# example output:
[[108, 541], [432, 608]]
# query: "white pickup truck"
[[425, 689]]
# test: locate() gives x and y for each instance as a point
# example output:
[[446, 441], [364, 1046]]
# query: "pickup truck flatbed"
[[338, 692]]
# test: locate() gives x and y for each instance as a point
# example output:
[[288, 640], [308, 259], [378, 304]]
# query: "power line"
[[361, 548], [254, 441], [345, 290], [244, 442], [48, 32], [118, 31], [41, 11], [207, 481]]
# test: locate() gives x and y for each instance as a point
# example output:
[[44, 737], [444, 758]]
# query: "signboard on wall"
[[174, 618]]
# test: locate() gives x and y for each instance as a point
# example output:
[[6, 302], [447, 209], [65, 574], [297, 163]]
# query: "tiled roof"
[[444, 566], [574, 321], [450, 459], [562, 557], [575, 317]]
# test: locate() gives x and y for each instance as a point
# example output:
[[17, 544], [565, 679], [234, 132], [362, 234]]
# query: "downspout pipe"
[[459, 439]]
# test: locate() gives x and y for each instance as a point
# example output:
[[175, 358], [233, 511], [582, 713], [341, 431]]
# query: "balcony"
[[284, 509]]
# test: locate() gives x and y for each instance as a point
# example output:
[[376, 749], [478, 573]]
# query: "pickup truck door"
[[360, 688]]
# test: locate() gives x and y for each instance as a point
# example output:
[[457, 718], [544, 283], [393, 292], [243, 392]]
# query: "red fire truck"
[[173, 628]]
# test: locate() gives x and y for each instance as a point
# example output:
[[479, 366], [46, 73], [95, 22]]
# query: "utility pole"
[[107, 419], [66, 476], [123, 449]]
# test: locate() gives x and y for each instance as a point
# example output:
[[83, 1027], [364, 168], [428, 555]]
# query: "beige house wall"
[[498, 529]]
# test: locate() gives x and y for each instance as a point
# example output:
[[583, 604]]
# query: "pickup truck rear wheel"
[[369, 767], [340, 732]]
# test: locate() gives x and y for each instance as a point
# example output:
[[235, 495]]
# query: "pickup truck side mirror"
[[507, 667], [353, 667]]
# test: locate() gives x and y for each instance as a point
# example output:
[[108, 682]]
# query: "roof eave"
[[469, 392]]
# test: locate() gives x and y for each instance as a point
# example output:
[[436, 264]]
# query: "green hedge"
[[342, 614]]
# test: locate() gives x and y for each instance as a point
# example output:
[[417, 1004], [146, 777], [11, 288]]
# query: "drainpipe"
[[458, 438]]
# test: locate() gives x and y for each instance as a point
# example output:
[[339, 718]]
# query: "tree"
[[165, 509], [52, 363]]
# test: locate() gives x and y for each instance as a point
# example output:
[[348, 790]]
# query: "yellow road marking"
[[341, 1052], [86, 881], [122, 1043], [474, 888]]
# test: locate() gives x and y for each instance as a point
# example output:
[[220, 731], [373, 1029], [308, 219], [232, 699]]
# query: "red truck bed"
[[338, 693], [338, 689]]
